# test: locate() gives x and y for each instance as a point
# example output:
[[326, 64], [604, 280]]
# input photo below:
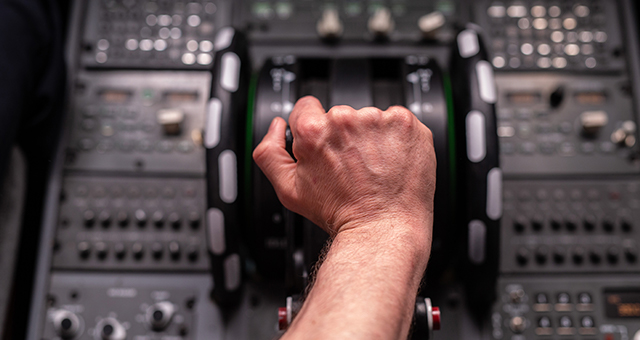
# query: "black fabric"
[[32, 83]]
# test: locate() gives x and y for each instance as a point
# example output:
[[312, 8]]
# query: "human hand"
[[355, 168]]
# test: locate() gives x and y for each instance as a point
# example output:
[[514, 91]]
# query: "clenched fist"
[[355, 168]]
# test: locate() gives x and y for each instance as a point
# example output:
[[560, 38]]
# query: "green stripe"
[[452, 138]]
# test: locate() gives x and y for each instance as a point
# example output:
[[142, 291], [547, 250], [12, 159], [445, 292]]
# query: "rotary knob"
[[159, 315], [517, 324], [111, 329], [66, 324]]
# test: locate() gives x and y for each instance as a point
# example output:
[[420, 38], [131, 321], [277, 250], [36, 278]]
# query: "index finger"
[[308, 105]]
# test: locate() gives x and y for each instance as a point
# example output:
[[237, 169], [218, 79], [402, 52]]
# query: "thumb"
[[276, 163]]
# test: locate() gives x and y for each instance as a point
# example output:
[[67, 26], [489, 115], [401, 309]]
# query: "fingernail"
[[273, 124]]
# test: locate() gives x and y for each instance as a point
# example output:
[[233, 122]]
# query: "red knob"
[[282, 318], [435, 313]]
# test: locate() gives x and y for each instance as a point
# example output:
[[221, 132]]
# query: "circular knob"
[[174, 250], [105, 218], [84, 249], [537, 222], [578, 255], [141, 217], [138, 250], [589, 222], [175, 220], [192, 252], [519, 224], [608, 224], [613, 253], [558, 255], [159, 315], [158, 218], [123, 218], [541, 254], [556, 222], [565, 321], [102, 250], [157, 249], [522, 256], [571, 223], [111, 329], [517, 324], [516, 295], [120, 250], [89, 218], [194, 219], [66, 324], [595, 255], [381, 23], [630, 254]]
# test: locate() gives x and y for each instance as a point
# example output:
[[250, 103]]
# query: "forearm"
[[367, 285]]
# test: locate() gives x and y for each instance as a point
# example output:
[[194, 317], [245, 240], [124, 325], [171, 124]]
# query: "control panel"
[[580, 307], [139, 121], [558, 35], [151, 34], [131, 224], [395, 21], [570, 226], [164, 229]]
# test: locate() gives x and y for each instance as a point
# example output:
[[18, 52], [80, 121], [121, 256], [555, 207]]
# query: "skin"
[[367, 177]]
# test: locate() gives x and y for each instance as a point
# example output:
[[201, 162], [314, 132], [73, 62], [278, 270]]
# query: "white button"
[[538, 11], [581, 11], [151, 20], [188, 59], [557, 36], [227, 166], [516, 11], [486, 83], [232, 272], [192, 45], [224, 38], [176, 33], [101, 57], [476, 136], [103, 44], [590, 62], [146, 44], [131, 44], [494, 193], [230, 67], [194, 21], [498, 62], [468, 44], [544, 62], [523, 23], [569, 23], [544, 49], [215, 224], [554, 11], [559, 62], [540, 23], [160, 45], [526, 49], [204, 59], [214, 116], [206, 46], [477, 240], [496, 11], [164, 20]]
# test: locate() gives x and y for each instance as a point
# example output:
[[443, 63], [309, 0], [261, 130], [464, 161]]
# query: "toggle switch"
[[330, 26], [593, 121], [171, 121], [381, 23], [431, 23]]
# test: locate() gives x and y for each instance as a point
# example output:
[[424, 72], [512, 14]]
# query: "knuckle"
[[369, 115], [260, 153], [341, 114], [402, 116], [308, 128]]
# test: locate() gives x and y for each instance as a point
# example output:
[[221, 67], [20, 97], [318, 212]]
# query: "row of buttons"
[[164, 146], [571, 223], [576, 194], [137, 249], [122, 218], [566, 149], [518, 10], [579, 254], [133, 191]]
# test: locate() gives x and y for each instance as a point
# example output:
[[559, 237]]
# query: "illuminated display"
[[622, 304]]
